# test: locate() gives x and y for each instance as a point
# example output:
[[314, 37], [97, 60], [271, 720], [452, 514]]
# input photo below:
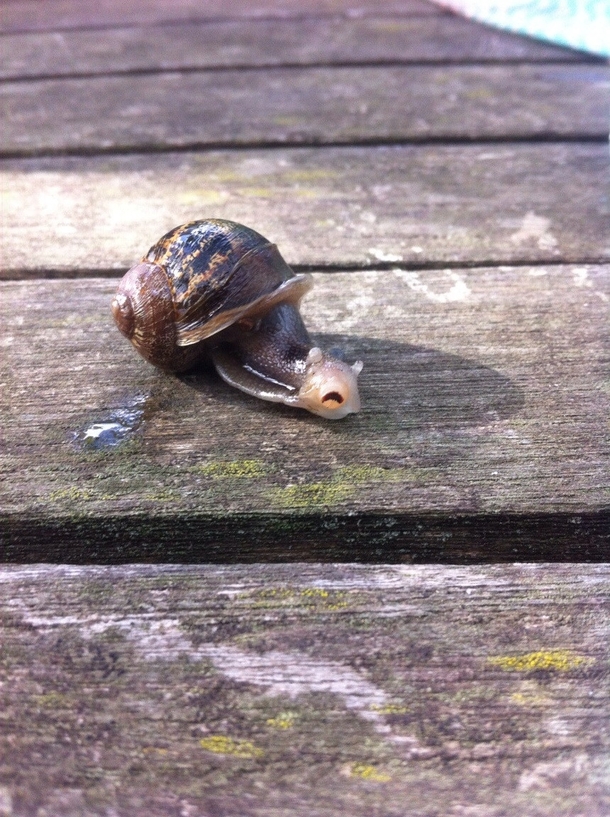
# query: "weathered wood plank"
[[34, 15], [485, 400], [281, 691], [304, 106], [339, 206], [264, 43]]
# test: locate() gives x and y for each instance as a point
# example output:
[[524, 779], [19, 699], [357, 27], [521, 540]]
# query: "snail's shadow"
[[401, 386]]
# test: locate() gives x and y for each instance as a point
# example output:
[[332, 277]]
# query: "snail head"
[[330, 387]]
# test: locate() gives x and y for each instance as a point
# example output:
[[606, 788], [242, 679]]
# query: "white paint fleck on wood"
[[458, 291], [535, 228]]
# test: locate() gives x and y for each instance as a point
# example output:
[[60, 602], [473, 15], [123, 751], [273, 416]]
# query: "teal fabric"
[[581, 24]]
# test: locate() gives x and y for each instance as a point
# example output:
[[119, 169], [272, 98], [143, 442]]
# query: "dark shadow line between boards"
[[228, 147], [585, 60], [37, 274]]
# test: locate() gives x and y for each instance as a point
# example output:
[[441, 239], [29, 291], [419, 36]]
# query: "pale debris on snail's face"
[[330, 388]]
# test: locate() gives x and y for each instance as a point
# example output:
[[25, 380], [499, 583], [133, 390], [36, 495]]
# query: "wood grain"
[[304, 106], [484, 401], [345, 207], [273, 691], [266, 42], [36, 15]]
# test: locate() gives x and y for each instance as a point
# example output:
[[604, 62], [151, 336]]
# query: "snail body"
[[219, 290]]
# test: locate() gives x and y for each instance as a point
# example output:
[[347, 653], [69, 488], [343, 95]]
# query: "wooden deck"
[[447, 186]]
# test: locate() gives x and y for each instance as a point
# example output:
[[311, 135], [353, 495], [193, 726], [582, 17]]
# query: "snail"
[[218, 290]]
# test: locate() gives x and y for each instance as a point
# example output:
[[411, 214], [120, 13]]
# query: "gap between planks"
[[288, 66], [144, 149], [506, 266]]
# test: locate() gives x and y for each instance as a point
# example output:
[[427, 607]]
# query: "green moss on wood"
[[237, 469], [310, 495]]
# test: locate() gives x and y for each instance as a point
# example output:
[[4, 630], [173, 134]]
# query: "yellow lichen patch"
[[529, 699], [307, 193], [556, 660], [238, 469], [366, 772], [285, 720], [359, 473], [73, 494], [223, 745], [328, 600], [369, 473], [390, 709], [343, 484], [162, 495], [530, 693], [308, 175], [316, 597], [273, 593], [310, 494], [314, 592]]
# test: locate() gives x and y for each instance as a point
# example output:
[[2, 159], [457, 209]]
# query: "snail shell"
[[217, 289]]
